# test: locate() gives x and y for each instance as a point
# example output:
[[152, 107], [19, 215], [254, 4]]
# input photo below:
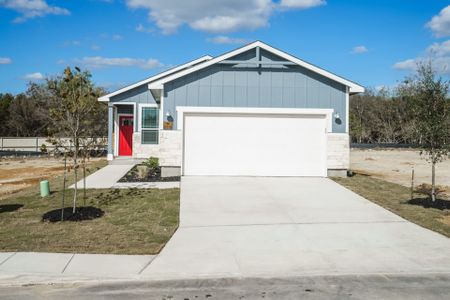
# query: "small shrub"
[[152, 163], [43, 148]]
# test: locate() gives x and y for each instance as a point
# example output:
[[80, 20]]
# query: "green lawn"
[[135, 221], [396, 198]]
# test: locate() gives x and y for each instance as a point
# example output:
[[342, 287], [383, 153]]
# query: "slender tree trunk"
[[64, 187], [75, 171], [433, 181], [84, 178]]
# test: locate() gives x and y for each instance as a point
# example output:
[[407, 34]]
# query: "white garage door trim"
[[183, 112]]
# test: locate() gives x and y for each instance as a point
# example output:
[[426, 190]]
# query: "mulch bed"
[[81, 214], [440, 204], [151, 175], [9, 207]]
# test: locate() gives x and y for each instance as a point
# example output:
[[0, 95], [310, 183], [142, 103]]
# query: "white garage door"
[[254, 144]]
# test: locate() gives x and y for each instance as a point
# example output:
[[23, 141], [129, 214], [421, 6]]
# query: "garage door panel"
[[254, 145]]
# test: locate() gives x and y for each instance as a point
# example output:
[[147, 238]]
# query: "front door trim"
[[120, 117]]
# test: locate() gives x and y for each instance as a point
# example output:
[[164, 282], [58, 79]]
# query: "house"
[[254, 111]]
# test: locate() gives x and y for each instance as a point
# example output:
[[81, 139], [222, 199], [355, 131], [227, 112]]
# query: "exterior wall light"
[[168, 124]]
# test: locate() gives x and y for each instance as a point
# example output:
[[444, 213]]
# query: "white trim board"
[[353, 87], [116, 123], [347, 111], [155, 77], [142, 105], [182, 110]]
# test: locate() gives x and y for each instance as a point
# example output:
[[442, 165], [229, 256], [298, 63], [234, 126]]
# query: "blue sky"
[[375, 43]]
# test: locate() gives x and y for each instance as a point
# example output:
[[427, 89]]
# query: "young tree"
[[73, 113], [428, 94]]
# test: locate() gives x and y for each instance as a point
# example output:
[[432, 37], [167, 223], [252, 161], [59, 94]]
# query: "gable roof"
[[157, 81], [353, 87], [157, 76]]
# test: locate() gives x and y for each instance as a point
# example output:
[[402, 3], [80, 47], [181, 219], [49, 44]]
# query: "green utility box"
[[45, 188]]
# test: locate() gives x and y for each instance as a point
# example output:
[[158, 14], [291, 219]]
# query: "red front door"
[[125, 136]]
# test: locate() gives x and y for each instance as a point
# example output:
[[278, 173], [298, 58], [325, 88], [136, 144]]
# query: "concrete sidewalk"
[[67, 265], [106, 177]]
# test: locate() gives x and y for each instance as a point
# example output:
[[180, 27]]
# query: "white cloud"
[[440, 24], [142, 28], [33, 76], [438, 54], [216, 16], [5, 61], [222, 39], [32, 8], [359, 50], [95, 47], [409, 64], [96, 62], [439, 49], [440, 64], [301, 4]]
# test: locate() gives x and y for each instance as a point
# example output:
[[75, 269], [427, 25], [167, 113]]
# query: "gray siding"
[[245, 86], [141, 94]]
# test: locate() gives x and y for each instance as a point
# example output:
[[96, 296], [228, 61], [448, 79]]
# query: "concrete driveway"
[[281, 227]]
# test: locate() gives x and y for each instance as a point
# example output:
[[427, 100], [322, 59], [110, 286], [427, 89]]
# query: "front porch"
[[136, 131], [122, 124]]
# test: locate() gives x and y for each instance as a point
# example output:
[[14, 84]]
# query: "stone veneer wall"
[[168, 150], [338, 156]]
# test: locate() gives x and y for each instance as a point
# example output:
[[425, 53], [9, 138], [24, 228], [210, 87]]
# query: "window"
[[150, 125], [127, 122]]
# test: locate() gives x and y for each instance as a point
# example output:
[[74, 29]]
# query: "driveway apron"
[[276, 227]]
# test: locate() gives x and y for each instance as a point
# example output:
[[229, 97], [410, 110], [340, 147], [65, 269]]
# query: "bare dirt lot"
[[396, 165], [17, 174], [391, 165]]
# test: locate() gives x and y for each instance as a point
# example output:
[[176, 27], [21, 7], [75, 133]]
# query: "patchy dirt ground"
[[17, 174], [396, 165], [391, 165]]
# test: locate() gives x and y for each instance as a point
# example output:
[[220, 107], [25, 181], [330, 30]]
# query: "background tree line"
[[28, 114], [384, 116]]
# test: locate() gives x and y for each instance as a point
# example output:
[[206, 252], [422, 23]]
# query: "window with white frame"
[[150, 125]]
